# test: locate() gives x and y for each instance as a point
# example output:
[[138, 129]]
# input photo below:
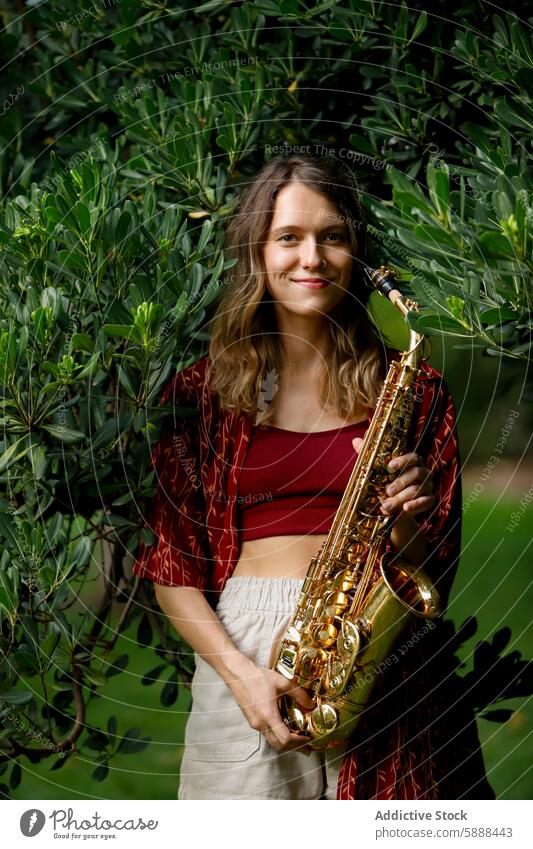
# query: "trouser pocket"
[[217, 729]]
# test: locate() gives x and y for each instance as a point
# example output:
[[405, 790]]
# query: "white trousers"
[[224, 758]]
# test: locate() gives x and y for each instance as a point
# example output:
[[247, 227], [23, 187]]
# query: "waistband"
[[248, 592]]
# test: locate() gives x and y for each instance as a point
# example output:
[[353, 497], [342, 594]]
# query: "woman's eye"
[[336, 237]]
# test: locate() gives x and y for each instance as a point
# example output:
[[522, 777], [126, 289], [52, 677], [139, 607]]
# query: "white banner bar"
[[272, 824]]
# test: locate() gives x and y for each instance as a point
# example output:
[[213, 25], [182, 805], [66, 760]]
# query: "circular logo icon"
[[32, 822]]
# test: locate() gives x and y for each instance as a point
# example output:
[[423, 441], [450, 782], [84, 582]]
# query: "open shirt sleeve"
[[437, 442], [181, 555]]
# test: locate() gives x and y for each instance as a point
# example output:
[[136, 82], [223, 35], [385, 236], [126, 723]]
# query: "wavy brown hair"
[[244, 346]]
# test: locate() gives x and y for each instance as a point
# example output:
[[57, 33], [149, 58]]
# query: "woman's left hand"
[[412, 491]]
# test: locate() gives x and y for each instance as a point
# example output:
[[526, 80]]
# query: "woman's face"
[[307, 252]]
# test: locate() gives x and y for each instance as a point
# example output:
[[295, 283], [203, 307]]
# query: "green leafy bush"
[[127, 130]]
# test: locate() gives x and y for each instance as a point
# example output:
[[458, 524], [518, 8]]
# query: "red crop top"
[[292, 482]]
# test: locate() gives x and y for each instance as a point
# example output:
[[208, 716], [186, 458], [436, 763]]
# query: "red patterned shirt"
[[194, 514]]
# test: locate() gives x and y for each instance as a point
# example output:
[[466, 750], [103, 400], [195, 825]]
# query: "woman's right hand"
[[257, 691]]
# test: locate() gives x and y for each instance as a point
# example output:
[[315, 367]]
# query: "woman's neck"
[[304, 343]]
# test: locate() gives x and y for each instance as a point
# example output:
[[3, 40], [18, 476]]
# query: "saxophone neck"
[[383, 279]]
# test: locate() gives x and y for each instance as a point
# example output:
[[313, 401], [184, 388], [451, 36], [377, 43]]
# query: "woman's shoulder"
[[189, 385]]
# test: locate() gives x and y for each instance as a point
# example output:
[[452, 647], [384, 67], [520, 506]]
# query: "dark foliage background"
[[126, 129]]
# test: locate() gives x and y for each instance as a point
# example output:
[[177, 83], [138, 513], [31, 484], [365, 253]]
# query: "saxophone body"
[[357, 597]]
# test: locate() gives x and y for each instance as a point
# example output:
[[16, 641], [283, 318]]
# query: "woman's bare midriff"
[[278, 557]]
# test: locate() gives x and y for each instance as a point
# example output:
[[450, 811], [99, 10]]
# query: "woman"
[[247, 494]]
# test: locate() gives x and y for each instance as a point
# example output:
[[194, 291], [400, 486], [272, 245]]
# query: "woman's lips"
[[313, 282]]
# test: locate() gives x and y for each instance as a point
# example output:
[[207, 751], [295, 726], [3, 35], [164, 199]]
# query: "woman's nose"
[[311, 256]]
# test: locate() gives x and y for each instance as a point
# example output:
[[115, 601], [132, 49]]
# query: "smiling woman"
[[300, 218], [229, 577], [303, 243]]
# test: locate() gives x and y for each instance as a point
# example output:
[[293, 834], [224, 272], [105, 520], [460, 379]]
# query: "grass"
[[493, 583]]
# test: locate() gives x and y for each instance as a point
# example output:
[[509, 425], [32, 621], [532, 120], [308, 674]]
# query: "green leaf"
[[131, 747], [119, 330], [123, 499], [64, 434], [132, 742], [8, 602], [16, 697], [52, 215], [39, 461], [225, 143], [152, 676], [83, 217], [15, 452], [117, 666], [169, 693], [205, 233], [420, 26], [82, 342], [72, 259], [126, 382], [439, 183], [122, 228], [440, 325], [507, 113], [402, 183], [144, 632], [95, 676], [96, 741], [496, 244], [100, 773], [16, 776], [81, 552], [124, 331], [497, 315], [46, 577]]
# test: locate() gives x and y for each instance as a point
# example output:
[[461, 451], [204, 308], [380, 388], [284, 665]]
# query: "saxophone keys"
[[355, 551], [326, 634], [287, 661], [349, 642], [345, 580], [336, 604], [324, 719], [293, 717], [312, 663], [336, 680], [365, 526]]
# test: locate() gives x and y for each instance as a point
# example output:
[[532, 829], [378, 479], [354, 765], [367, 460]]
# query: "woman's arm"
[[255, 689]]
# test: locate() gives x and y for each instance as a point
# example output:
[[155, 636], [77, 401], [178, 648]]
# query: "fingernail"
[[387, 505]]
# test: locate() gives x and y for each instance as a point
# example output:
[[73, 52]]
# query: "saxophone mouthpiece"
[[383, 279]]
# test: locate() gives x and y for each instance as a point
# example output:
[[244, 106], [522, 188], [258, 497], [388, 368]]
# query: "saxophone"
[[357, 597]]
